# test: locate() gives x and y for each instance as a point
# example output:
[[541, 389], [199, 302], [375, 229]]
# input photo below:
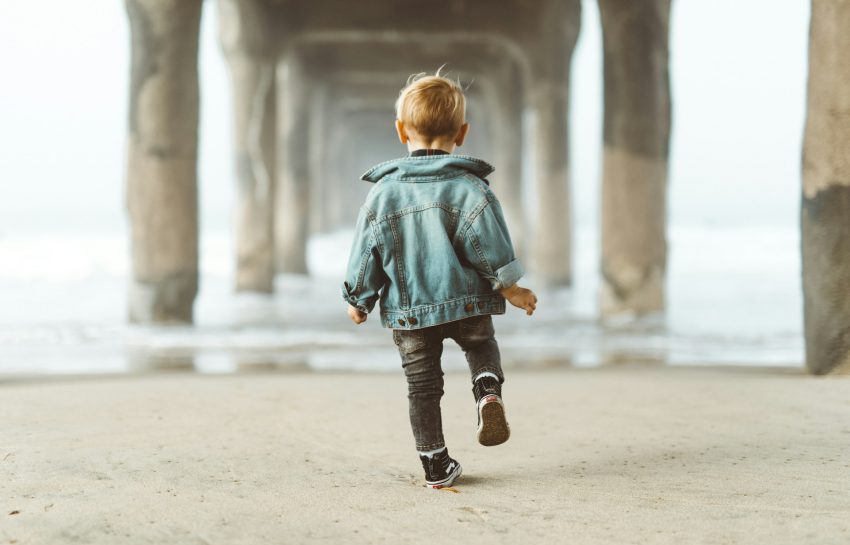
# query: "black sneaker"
[[441, 470], [493, 428]]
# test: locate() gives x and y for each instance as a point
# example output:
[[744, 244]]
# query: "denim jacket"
[[431, 243]]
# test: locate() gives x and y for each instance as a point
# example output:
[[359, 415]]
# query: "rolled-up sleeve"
[[489, 249], [364, 276]]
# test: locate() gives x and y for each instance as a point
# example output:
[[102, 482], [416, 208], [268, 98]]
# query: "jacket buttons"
[[401, 322], [413, 321], [469, 307]]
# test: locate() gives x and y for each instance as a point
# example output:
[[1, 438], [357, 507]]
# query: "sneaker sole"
[[493, 428], [448, 481]]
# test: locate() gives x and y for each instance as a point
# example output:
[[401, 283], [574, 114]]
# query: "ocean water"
[[734, 299]]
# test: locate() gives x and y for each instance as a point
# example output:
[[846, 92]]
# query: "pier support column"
[[508, 175], [825, 214], [293, 195], [250, 54], [634, 169], [552, 247], [162, 149], [548, 95]]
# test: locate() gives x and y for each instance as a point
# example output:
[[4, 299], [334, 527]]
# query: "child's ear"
[[461, 134], [402, 134]]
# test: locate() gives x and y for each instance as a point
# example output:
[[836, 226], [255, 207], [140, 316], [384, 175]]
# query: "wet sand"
[[612, 455]]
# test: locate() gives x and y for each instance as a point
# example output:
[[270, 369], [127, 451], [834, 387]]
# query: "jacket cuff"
[[508, 275], [361, 305]]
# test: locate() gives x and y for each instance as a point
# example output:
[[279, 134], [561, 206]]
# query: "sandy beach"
[[612, 455]]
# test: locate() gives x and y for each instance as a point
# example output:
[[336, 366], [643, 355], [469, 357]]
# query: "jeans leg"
[[420, 351], [477, 339]]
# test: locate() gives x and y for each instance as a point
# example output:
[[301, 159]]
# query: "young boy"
[[431, 243]]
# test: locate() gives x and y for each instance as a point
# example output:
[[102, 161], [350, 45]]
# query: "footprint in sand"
[[478, 515]]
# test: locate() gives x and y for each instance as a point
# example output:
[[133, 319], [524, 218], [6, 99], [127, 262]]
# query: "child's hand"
[[521, 298], [357, 316]]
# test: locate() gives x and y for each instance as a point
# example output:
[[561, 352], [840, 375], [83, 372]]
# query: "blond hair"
[[431, 106]]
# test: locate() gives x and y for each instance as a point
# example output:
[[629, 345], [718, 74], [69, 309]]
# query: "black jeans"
[[420, 351]]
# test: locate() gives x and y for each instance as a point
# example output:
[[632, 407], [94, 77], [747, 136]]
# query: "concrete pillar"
[[162, 149], [251, 60], [552, 246], [548, 97], [634, 168], [322, 184], [293, 195], [825, 214], [508, 175]]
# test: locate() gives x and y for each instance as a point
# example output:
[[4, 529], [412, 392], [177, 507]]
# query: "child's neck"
[[448, 147]]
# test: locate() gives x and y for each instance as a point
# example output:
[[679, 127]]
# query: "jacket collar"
[[428, 166]]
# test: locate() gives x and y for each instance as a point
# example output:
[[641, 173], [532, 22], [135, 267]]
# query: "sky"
[[738, 71]]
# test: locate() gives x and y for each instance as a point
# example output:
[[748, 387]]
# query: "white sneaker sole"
[[493, 428], [448, 481]]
